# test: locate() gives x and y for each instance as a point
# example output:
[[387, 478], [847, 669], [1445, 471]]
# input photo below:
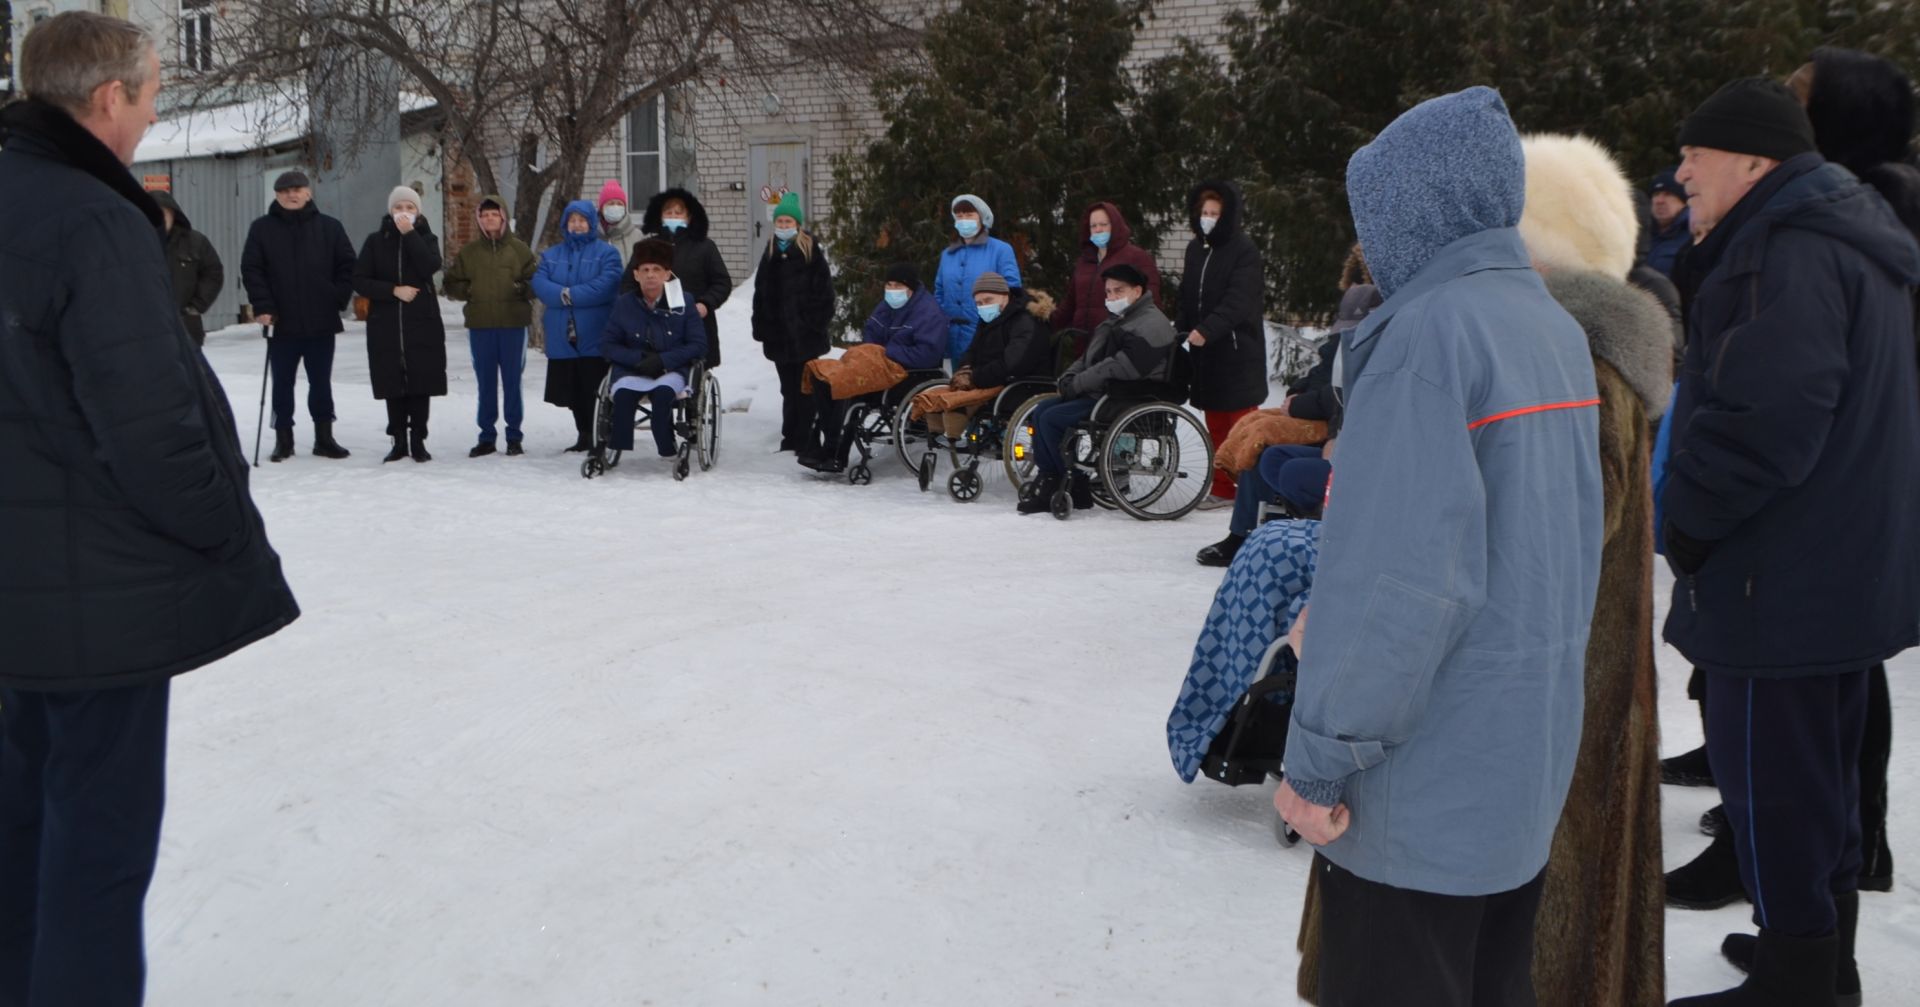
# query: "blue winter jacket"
[[1668, 244], [590, 269], [1442, 681], [960, 265], [915, 336], [1796, 434], [636, 328]]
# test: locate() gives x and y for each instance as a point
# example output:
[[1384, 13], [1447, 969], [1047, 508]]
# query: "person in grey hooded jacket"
[[1438, 712]]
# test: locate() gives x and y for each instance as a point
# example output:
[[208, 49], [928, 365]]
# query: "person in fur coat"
[[1599, 935]]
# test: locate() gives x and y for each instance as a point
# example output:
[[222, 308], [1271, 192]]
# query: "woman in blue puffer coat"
[[578, 280], [972, 253]]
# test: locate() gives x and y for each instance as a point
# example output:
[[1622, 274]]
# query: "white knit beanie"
[[402, 194]]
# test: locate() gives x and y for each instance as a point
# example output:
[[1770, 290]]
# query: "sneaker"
[[1687, 770], [1221, 553], [481, 450], [1214, 503], [514, 449]]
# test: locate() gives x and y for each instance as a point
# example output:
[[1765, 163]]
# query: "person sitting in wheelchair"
[[1135, 344], [1010, 345], [653, 339], [906, 332]]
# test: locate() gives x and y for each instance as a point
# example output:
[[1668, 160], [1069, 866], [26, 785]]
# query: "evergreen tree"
[[1021, 103]]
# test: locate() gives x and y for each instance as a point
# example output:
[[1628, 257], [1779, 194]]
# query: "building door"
[[776, 169]]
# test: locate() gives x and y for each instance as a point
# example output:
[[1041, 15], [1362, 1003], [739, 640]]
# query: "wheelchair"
[[1252, 743], [695, 419], [980, 451], [1143, 452], [883, 416]]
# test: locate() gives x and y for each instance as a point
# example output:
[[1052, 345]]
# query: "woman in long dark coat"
[[406, 341], [676, 215]]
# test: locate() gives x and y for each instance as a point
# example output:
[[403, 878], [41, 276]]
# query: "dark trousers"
[[1387, 946], [285, 355], [1786, 756], [499, 359], [1051, 420], [82, 788], [796, 407], [1297, 474], [626, 405], [1876, 749], [408, 414]]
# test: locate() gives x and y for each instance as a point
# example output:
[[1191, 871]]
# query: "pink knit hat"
[[610, 192]]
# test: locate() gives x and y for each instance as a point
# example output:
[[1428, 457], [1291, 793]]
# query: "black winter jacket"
[[1222, 294], [130, 548], [1013, 346], [1314, 397], [1796, 438], [406, 341], [298, 267], [697, 262], [195, 267], [793, 303]]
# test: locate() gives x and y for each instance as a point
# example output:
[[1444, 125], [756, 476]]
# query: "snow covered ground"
[[754, 738]]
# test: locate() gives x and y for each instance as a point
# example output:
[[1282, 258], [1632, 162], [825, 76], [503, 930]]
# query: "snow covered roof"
[[237, 128]]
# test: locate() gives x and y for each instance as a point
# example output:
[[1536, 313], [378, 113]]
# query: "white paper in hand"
[[676, 301]]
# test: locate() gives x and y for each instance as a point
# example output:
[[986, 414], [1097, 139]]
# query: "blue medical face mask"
[[785, 233], [987, 312], [897, 299], [967, 228], [1100, 240], [672, 223]]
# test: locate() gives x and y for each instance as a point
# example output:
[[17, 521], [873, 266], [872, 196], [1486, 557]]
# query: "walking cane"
[[266, 333]]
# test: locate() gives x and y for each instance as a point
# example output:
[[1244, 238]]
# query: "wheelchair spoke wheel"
[[1016, 451], [707, 420], [1156, 462], [929, 461], [859, 474], [910, 435], [965, 484]]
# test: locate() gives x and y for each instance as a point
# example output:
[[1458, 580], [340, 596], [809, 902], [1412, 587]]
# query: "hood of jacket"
[[1828, 200], [1862, 109], [1232, 204], [1122, 231], [505, 208], [585, 208], [1445, 170], [164, 200], [696, 228], [1625, 327]]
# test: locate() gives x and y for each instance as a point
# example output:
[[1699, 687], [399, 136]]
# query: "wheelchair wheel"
[[910, 435], [593, 466], [684, 463], [859, 474], [1061, 504], [603, 428], [928, 462], [706, 421], [1283, 833], [1016, 453], [1156, 462], [965, 484]]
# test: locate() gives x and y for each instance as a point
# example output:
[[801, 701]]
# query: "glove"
[[1688, 553], [651, 365]]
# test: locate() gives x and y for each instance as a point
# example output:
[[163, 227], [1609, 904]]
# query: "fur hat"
[[1579, 212], [658, 251]]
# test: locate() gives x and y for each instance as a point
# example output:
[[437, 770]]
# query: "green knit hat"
[[790, 207]]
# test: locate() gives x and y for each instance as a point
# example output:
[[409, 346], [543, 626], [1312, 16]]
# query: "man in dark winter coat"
[[1796, 435], [298, 270], [675, 214], [1672, 222], [1220, 316], [196, 269], [130, 549]]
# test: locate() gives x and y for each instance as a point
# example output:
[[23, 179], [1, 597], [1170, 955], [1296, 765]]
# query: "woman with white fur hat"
[[406, 340]]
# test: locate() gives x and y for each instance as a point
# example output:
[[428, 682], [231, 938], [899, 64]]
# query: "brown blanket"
[[1259, 431], [943, 400], [862, 370]]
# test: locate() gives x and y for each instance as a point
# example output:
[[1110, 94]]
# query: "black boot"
[[417, 446], [1221, 553], [1787, 972], [1038, 497], [399, 450], [514, 449], [1713, 821], [481, 450], [282, 444], [1080, 488], [1687, 770], [324, 446], [1710, 881], [1739, 950]]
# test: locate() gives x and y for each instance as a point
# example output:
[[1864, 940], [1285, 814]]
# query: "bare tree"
[[531, 86]]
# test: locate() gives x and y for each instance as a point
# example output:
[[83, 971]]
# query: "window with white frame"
[[646, 154], [196, 34]]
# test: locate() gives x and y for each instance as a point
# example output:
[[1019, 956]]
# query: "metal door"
[[777, 169]]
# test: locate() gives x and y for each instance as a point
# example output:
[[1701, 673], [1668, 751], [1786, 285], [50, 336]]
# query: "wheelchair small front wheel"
[[964, 485], [593, 466], [859, 474], [1061, 504], [925, 471], [681, 466]]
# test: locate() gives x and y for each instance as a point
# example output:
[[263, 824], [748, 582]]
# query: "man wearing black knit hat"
[[1796, 453]]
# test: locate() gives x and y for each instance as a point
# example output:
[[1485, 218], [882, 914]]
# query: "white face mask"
[[614, 213], [1207, 224], [403, 217], [1119, 307]]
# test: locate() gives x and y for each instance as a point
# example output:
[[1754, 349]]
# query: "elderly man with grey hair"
[[130, 549]]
